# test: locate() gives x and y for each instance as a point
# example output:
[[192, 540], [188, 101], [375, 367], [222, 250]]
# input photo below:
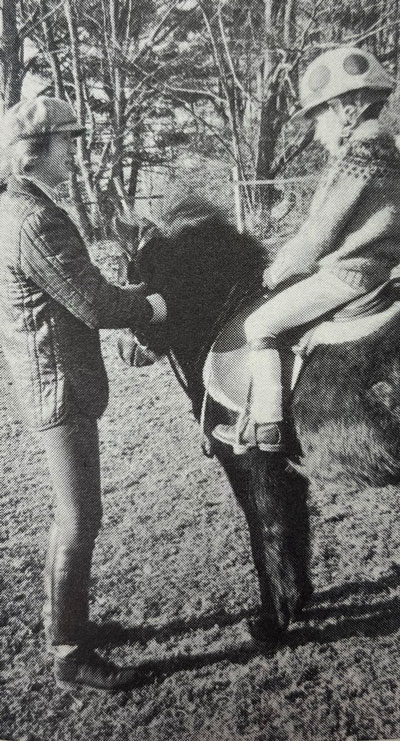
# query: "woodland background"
[[172, 87]]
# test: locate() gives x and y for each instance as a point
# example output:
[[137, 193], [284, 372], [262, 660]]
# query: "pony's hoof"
[[265, 632], [302, 601]]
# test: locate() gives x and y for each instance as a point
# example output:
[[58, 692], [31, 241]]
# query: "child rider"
[[350, 241]]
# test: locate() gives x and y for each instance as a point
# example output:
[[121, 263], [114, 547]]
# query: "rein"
[[177, 370]]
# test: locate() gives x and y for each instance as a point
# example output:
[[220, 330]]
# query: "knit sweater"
[[353, 228]]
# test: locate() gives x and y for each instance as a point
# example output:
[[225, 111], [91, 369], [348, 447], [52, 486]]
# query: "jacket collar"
[[23, 186]]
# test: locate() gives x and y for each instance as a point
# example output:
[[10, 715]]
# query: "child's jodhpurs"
[[301, 303]]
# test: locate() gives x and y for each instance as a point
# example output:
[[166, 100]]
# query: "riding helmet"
[[340, 71]]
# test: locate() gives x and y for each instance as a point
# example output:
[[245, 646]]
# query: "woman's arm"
[[54, 256]]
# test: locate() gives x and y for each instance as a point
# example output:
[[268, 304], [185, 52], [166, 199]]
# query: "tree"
[[149, 77], [11, 56]]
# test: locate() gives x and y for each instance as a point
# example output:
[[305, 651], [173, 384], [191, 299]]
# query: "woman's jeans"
[[72, 451]]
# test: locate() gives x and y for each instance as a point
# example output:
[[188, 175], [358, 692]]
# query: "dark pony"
[[345, 408]]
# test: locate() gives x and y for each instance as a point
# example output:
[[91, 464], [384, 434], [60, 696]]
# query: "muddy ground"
[[173, 566]]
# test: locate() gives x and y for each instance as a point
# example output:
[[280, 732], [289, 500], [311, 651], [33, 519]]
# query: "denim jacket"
[[53, 301]]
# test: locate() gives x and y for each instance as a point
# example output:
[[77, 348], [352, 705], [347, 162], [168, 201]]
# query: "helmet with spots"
[[340, 71]]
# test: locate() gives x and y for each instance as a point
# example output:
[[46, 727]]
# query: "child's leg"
[[266, 375], [299, 304]]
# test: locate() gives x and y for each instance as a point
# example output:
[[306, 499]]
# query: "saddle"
[[226, 374]]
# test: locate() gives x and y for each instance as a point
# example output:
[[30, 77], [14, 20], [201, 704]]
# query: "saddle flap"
[[353, 330], [226, 373]]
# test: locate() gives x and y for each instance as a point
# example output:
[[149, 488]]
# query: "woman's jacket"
[[53, 301]]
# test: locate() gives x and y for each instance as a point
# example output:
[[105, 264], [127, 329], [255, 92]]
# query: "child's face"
[[328, 129]]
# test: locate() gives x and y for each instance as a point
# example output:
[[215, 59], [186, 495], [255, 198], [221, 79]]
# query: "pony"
[[345, 408]]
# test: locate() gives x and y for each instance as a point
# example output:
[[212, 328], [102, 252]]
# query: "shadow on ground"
[[364, 617]]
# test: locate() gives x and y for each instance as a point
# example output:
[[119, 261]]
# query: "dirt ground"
[[173, 566]]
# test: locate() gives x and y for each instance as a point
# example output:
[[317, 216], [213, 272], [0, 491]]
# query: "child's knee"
[[256, 327]]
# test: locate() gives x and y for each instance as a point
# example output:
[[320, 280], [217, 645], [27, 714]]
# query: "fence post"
[[237, 199]]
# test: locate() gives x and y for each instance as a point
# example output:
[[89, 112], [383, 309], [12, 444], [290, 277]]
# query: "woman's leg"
[[72, 451]]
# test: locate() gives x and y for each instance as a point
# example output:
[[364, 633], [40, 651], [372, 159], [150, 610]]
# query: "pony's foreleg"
[[274, 504]]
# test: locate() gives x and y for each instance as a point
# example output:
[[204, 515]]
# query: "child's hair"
[[366, 102], [22, 156]]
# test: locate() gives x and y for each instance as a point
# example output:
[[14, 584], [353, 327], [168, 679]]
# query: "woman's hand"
[[132, 352]]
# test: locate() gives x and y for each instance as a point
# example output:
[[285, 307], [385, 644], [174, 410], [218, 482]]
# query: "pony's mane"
[[205, 269], [208, 252], [191, 210]]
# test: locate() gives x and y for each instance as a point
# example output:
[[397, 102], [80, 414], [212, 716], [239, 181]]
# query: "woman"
[[350, 241], [53, 301]]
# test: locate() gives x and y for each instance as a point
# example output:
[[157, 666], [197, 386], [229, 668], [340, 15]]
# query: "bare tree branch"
[[227, 52]]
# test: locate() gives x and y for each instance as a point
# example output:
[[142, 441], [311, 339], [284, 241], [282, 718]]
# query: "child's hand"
[[266, 279]]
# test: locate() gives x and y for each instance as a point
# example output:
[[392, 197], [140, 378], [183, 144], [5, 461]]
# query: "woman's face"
[[55, 166]]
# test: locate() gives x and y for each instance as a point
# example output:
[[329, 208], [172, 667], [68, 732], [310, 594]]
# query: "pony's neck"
[[193, 335]]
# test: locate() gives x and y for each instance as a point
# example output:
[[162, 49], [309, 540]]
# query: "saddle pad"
[[226, 378], [226, 373], [338, 332]]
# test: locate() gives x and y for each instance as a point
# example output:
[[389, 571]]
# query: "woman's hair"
[[22, 156]]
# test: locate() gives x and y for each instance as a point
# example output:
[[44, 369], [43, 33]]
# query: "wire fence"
[[159, 187], [286, 210], [291, 197]]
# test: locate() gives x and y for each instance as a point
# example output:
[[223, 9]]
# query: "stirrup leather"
[[243, 421]]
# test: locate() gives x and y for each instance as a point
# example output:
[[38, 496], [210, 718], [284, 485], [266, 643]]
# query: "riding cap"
[[340, 71], [34, 118]]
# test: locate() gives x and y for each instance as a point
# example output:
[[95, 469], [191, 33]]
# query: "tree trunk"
[[270, 121], [227, 85], [396, 38], [289, 35], [118, 82], [10, 57], [133, 176], [84, 224], [83, 155], [269, 124], [52, 55]]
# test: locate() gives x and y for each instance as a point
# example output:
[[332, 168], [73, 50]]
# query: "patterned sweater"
[[353, 228]]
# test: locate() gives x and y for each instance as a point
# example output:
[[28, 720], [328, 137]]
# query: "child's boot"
[[263, 427]]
